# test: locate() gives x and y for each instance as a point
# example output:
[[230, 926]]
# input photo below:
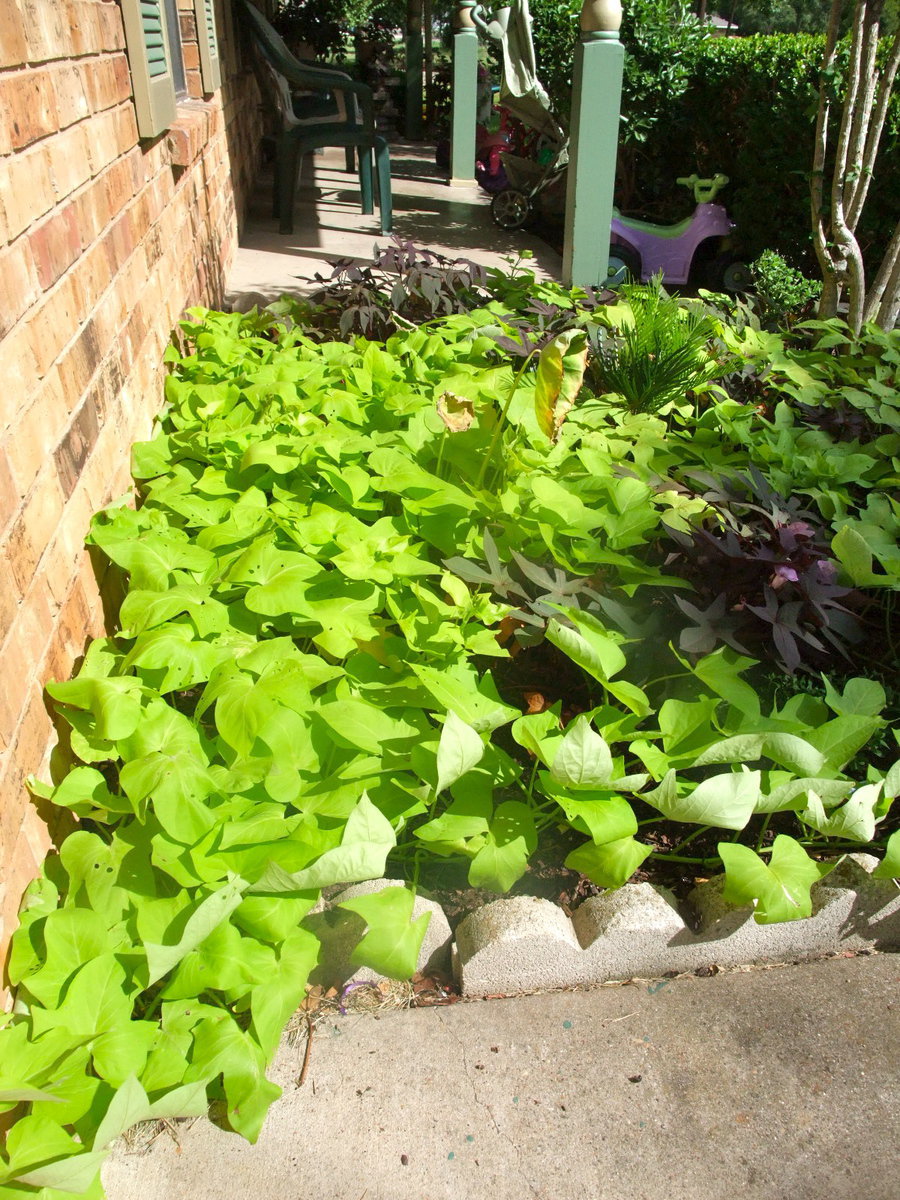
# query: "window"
[[153, 39], [178, 77]]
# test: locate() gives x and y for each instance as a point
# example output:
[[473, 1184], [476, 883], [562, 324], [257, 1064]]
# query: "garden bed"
[[503, 587]]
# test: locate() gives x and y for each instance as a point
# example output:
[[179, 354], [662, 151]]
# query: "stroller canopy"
[[521, 92]]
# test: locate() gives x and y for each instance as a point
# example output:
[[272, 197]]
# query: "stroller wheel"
[[510, 208], [624, 266]]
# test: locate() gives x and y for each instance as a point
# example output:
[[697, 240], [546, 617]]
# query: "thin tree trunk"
[[831, 290], [835, 220], [876, 128], [850, 136], [883, 299], [862, 115], [888, 314]]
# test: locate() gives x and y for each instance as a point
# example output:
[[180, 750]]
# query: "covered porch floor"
[[328, 225]]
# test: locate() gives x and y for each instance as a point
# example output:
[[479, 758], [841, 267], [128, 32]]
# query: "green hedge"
[[748, 108], [750, 111], [555, 31]]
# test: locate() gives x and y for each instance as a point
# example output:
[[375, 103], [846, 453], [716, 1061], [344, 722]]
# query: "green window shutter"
[[210, 66], [147, 41]]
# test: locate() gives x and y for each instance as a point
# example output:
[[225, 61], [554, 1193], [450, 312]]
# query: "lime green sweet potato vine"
[[300, 693]]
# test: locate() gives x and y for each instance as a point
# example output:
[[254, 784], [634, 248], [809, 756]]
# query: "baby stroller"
[[536, 177]]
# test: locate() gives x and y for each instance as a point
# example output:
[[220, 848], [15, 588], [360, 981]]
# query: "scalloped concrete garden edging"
[[526, 944]]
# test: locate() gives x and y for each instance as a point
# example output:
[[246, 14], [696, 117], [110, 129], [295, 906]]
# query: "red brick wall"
[[104, 241]]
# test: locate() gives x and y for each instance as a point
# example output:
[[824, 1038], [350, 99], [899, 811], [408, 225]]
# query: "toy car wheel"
[[736, 277], [624, 267], [510, 208], [725, 274]]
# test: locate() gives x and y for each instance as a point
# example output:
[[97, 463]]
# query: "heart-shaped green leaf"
[[392, 939], [611, 864], [460, 749], [583, 759], [778, 890], [510, 841]]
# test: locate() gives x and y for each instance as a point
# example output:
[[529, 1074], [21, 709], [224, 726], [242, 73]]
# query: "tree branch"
[[876, 128], [862, 114], [848, 115]]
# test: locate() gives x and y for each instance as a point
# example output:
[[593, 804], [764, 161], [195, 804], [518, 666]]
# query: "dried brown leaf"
[[455, 411]]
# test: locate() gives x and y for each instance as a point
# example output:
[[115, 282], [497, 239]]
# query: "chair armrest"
[[319, 78], [318, 65], [315, 79]]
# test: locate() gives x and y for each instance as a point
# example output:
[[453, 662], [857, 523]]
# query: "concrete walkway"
[[328, 224], [764, 1084]]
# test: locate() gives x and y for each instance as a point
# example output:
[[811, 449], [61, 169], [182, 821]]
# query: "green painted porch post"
[[414, 56], [596, 101], [465, 97]]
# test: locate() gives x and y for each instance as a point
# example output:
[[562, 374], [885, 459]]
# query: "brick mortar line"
[[38, 63]]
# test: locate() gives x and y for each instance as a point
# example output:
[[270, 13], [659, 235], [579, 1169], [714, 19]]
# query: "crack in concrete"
[[469, 1076], [484, 1104]]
